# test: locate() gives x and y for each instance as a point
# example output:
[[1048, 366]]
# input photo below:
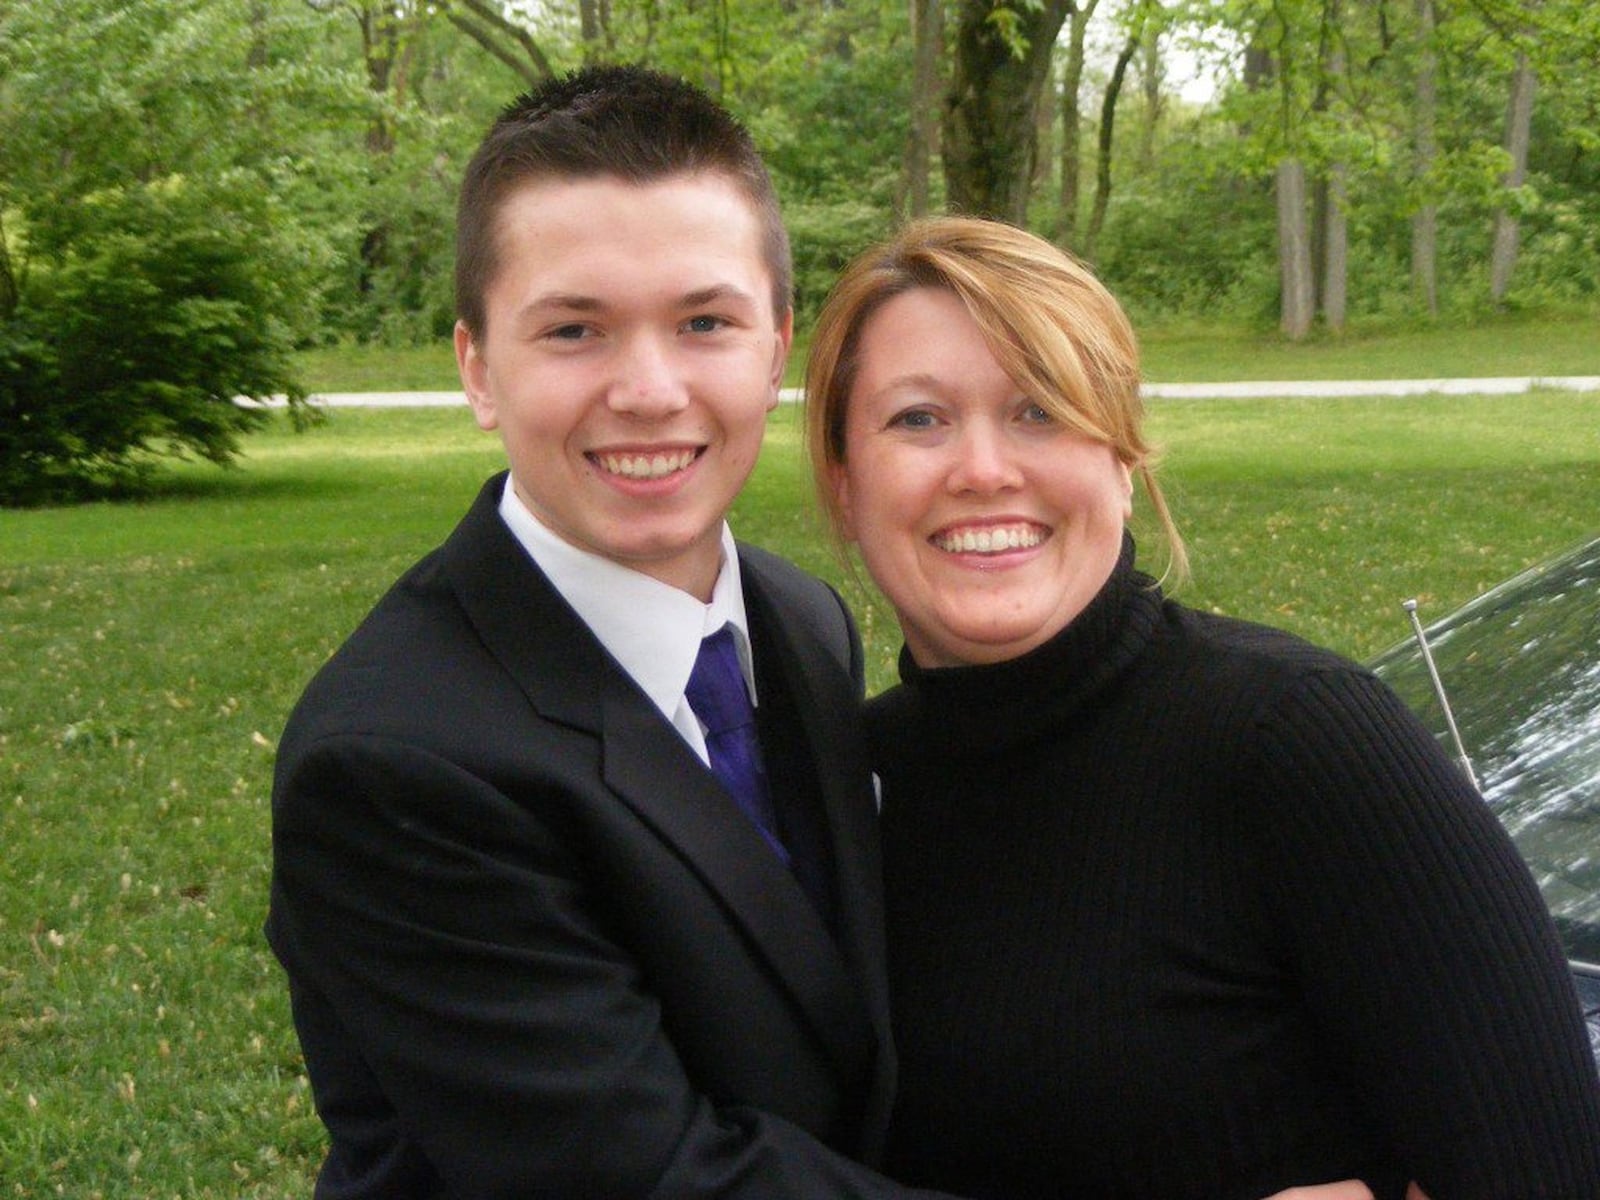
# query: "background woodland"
[[192, 191]]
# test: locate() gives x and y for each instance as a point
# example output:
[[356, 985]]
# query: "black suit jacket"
[[534, 950]]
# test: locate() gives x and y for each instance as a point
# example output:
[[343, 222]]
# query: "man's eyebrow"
[[562, 302], [578, 303], [713, 294], [555, 306]]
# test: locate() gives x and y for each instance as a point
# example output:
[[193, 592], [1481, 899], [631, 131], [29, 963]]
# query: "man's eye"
[[569, 333], [704, 324]]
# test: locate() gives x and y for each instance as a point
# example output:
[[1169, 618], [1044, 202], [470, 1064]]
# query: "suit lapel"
[[544, 645], [826, 702], [648, 765]]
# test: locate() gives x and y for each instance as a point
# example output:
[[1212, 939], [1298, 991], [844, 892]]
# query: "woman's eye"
[[915, 418], [1037, 414]]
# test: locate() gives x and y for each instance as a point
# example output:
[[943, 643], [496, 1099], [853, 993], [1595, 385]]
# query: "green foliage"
[[1193, 240], [170, 229], [829, 112], [401, 162], [827, 235], [1008, 24], [396, 286], [359, 137], [148, 318]]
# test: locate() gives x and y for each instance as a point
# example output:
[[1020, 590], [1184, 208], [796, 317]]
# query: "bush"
[[153, 311]]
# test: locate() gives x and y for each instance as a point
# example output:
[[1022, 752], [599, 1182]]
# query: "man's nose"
[[648, 381]]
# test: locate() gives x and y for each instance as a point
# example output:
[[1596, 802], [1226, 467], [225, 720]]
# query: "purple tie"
[[716, 693]]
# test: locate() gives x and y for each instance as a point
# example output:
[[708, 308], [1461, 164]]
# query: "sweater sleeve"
[[1423, 947]]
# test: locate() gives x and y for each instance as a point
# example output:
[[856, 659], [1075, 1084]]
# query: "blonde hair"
[[1051, 325]]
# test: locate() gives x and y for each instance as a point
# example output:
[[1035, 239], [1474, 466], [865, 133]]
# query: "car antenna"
[[1438, 690]]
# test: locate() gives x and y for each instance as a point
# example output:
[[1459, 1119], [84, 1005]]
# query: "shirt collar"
[[651, 628]]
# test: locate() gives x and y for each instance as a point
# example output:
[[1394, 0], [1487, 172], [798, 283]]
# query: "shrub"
[[146, 316]]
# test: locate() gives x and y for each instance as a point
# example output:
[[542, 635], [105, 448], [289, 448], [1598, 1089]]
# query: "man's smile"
[[654, 464]]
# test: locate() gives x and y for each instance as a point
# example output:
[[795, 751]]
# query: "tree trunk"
[[1317, 238], [1519, 126], [998, 78], [1072, 127], [592, 31], [1294, 250], [1108, 120], [1151, 77], [1334, 235], [1336, 251], [385, 41], [10, 290], [1425, 221], [380, 47], [927, 40], [1044, 121]]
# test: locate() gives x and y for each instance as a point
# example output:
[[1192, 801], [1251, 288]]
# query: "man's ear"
[[474, 372], [780, 356]]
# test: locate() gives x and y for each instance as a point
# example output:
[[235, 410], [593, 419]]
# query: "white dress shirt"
[[651, 628]]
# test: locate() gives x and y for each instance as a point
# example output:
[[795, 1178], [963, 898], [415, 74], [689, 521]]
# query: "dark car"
[[1520, 669]]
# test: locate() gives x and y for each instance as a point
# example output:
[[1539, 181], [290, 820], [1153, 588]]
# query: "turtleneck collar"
[[997, 706]]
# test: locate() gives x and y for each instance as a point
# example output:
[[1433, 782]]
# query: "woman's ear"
[[839, 485]]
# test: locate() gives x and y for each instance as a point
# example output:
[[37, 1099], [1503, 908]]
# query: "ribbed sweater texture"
[[1180, 906]]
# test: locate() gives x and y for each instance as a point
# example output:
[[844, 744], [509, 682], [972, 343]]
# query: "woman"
[[1178, 906]]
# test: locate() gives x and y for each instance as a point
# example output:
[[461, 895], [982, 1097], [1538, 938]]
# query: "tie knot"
[[716, 690]]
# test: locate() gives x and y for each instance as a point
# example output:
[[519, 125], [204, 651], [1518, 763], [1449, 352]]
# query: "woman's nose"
[[984, 462]]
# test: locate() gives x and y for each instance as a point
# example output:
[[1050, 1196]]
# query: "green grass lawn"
[[1512, 345], [152, 652]]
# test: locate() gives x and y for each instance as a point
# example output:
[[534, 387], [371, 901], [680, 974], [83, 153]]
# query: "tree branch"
[[489, 31]]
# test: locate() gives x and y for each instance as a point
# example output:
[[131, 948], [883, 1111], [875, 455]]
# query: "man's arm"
[[461, 947]]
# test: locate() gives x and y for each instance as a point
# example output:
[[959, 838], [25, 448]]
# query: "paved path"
[[1496, 386]]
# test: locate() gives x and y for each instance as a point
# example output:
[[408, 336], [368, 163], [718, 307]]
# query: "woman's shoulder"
[[1242, 680], [1249, 648]]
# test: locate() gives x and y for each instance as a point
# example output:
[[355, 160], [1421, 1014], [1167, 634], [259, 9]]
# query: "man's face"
[[629, 359]]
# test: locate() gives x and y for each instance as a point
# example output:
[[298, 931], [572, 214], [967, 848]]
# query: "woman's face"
[[988, 525]]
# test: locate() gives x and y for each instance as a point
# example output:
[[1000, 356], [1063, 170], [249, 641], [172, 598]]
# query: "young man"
[[534, 946]]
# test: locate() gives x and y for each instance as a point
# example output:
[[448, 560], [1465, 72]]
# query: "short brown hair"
[[1051, 325], [628, 122]]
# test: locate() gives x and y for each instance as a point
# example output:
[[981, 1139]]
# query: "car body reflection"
[[1521, 668]]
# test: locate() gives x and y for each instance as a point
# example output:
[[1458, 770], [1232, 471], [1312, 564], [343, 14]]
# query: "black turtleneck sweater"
[[1184, 907]]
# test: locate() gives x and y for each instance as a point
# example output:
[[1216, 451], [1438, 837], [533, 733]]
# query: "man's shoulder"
[[795, 592], [769, 563], [416, 643]]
